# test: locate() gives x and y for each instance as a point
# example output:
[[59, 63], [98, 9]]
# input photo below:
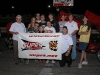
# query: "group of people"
[[69, 29]]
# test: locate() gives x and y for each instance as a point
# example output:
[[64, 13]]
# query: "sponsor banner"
[[40, 45], [62, 2]]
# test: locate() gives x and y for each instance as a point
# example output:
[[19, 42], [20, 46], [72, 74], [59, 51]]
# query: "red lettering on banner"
[[56, 55], [44, 35], [30, 36], [42, 55], [32, 45]]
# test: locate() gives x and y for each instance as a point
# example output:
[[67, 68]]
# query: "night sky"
[[41, 6]]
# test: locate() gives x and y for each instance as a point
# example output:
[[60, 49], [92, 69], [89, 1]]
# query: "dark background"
[[41, 6]]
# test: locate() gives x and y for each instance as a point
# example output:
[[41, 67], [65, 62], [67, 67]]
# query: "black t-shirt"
[[55, 25], [43, 24]]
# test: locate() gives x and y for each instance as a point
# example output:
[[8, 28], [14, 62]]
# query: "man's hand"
[[67, 54], [16, 33]]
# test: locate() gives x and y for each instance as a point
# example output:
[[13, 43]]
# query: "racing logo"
[[32, 45], [53, 45]]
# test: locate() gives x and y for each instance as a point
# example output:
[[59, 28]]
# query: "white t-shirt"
[[71, 26], [66, 42], [61, 24], [52, 29], [17, 27]]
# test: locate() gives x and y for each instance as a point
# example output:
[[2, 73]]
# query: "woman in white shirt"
[[49, 28]]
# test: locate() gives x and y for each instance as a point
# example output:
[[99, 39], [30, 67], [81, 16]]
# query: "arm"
[[74, 32], [13, 32], [70, 42], [85, 32], [82, 33], [75, 29], [69, 50], [28, 26], [24, 28]]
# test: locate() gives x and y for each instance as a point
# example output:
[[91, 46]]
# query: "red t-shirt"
[[8, 27]]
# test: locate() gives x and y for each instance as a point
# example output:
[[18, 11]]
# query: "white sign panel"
[[40, 45], [63, 2]]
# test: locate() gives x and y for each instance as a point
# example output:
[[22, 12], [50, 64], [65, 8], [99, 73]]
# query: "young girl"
[[31, 25], [84, 32], [41, 29]]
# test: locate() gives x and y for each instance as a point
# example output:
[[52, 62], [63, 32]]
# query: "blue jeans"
[[73, 55]]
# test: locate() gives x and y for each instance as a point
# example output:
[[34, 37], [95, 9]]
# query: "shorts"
[[83, 46]]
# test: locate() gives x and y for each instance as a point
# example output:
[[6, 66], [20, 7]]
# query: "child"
[[41, 29]]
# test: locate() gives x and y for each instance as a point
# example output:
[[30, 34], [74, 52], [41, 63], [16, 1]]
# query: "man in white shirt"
[[67, 43], [16, 28], [72, 30]]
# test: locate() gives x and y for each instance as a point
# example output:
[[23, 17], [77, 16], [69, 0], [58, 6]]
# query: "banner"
[[40, 45]]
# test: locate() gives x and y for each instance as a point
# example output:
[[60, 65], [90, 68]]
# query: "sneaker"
[[53, 61], [47, 61], [84, 62], [80, 66]]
